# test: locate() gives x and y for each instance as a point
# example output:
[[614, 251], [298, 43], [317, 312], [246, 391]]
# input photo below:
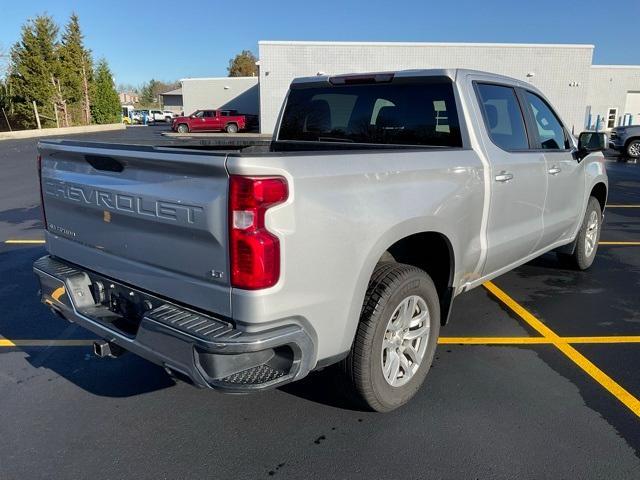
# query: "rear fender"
[[392, 236]]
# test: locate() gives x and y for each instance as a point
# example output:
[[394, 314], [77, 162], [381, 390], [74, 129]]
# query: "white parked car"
[[169, 115], [138, 116], [157, 115]]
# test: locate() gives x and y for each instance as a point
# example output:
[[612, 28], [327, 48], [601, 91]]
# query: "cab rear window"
[[421, 114]]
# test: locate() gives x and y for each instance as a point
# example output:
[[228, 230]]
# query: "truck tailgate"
[[151, 217]]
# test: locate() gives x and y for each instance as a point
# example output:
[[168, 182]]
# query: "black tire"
[[390, 284], [183, 128], [231, 128], [582, 256], [633, 149]]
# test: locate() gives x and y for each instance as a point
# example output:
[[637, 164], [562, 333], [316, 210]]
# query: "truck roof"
[[452, 73]]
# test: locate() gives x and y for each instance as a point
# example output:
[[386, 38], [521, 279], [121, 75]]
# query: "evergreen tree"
[[148, 94], [5, 102], [243, 65], [75, 72], [105, 104], [34, 68]]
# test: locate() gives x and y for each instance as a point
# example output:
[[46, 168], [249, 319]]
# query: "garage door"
[[632, 106]]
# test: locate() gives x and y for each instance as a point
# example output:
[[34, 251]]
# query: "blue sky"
[[168, 40]]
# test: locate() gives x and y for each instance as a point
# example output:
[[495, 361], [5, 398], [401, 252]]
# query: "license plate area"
[[113, 304]]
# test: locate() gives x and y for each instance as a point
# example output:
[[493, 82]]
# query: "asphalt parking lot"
[[536, 377]]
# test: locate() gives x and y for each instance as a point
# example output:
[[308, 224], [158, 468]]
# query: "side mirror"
[[589, 142]]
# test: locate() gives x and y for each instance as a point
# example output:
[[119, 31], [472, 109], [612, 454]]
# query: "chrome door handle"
[[504, 176], [554, 170]]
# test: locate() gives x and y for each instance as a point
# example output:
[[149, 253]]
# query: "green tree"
[[148, 94], [105, 104], [5, 103], [243, 65], [34, 68], [75, 72]]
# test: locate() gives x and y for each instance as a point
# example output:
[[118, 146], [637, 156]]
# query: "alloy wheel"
[[405, 340], [591, 235]]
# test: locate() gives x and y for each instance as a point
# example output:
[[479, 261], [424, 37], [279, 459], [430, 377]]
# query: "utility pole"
[[35, 110]]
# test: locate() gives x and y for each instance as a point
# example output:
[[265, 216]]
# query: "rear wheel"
[[587, 239], [231, 128], [633, 149], [183, 128], [396, 338]]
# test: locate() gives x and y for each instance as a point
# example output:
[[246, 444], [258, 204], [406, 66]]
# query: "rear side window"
[[550, 131], [392, 114], [503, 116]]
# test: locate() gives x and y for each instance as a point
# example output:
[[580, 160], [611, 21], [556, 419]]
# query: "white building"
[[172, 100], [614, 95], [585, 95], [232, 93], [580, 91]]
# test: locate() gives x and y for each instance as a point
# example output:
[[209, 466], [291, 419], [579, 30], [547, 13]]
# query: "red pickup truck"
[[229, 121]]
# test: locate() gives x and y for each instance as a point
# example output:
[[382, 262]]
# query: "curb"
[[47, 132]]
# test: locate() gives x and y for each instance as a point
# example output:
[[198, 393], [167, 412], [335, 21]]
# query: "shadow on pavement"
[[25, 318], [326, 387], [20, 216]]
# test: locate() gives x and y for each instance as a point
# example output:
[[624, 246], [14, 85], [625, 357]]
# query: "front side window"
[[199, 114], [422, 114], [550, 131], [209, 114], [503, 116]]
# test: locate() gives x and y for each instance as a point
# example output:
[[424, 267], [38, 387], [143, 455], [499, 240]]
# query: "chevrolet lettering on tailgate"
[[119, 202]]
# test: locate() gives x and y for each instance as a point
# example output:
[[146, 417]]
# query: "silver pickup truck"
[[381, 198]]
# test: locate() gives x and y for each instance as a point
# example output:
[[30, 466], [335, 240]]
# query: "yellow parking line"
[[493, 340], [535, 340], [623, 206], [619, 243], [44, 343], [631, 402], [24, 242], [611, 339]]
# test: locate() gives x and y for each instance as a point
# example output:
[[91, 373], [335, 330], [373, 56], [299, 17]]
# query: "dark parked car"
[[626, 140]]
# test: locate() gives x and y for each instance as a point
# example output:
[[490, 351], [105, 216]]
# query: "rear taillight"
[[44, 216], [254, 251]]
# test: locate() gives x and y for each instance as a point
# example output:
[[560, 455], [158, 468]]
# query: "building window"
[[612, 114]]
